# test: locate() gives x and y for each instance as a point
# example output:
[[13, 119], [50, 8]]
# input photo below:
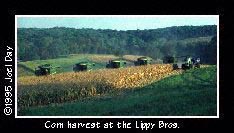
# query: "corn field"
[[71, 86]]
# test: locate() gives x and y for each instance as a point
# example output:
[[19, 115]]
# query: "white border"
[[129, 16], [16, 67], [218, 67]]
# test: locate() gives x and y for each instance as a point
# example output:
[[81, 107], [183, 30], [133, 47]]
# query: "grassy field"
[[192, 93]]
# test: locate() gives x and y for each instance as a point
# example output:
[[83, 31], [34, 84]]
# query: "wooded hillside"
[[45, 43]]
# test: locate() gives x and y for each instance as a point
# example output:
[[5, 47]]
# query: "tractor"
[[143, 61], [117, 63], [83, 66], [188, 63], [196, 63], [45, 69]]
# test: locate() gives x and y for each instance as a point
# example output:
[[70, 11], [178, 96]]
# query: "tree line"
[[45, 43]]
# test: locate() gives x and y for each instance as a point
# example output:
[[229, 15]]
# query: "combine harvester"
[[83, 66], [116, 63], [46, 69], [143, 61]]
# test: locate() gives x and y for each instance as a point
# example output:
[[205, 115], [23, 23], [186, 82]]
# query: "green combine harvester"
[[45, 69], [117, 63], [143, 61], [83, 66], [169, 59]]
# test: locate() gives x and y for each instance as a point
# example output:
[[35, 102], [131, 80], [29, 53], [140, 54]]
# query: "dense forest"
[[44, 43]]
